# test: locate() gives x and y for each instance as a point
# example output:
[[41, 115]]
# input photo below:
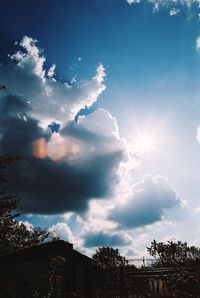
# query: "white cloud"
[[31, 60], [174, 11], [49, 99], [51, 71], [172, 237], [28, 225], [96, 217], [62, 230], [133, 1], [100, 122]]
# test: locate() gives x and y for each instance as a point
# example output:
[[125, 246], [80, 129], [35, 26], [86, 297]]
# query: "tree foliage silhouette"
[[108, 258], [174, 253], [112, 265], [14, 235]]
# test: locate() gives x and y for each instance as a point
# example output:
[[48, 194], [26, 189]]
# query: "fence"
[[141, 262]]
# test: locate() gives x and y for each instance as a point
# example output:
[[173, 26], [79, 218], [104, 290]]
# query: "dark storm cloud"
[[13, 106], [150, 198], [17, 129], [46, 186], [96, 239]]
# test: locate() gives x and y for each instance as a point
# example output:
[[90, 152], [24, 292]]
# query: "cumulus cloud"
[[42, 90], [105, 124], [60, 171], [62, 230], [97, 238], [144, 209], [147, 203]]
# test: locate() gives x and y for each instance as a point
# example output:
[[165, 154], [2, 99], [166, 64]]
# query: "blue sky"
[[124, 171]]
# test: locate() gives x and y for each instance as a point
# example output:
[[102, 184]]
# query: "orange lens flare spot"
[[57, 148], [39, 148], [75, 149]]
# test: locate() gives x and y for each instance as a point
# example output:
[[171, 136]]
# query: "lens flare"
[[39, 148], [57, 148], [60, 148], [75, 149]]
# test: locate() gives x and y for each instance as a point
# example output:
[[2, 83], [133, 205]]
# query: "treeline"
[[173, 254]]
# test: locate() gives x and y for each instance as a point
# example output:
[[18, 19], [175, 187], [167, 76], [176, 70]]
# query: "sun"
[[144, 143]]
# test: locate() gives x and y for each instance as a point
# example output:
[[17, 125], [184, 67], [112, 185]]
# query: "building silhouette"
[[52, 269]]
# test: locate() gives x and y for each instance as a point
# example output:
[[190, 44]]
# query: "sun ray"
[[145, 143]]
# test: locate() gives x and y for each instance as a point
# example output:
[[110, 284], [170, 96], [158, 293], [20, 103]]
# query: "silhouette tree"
[[14, 235], [173, 253], [109, 258], [112, 265]]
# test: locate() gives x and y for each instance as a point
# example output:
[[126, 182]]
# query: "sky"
[[102, 100]]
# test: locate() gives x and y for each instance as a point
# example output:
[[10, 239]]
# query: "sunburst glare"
[[145, 143]]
